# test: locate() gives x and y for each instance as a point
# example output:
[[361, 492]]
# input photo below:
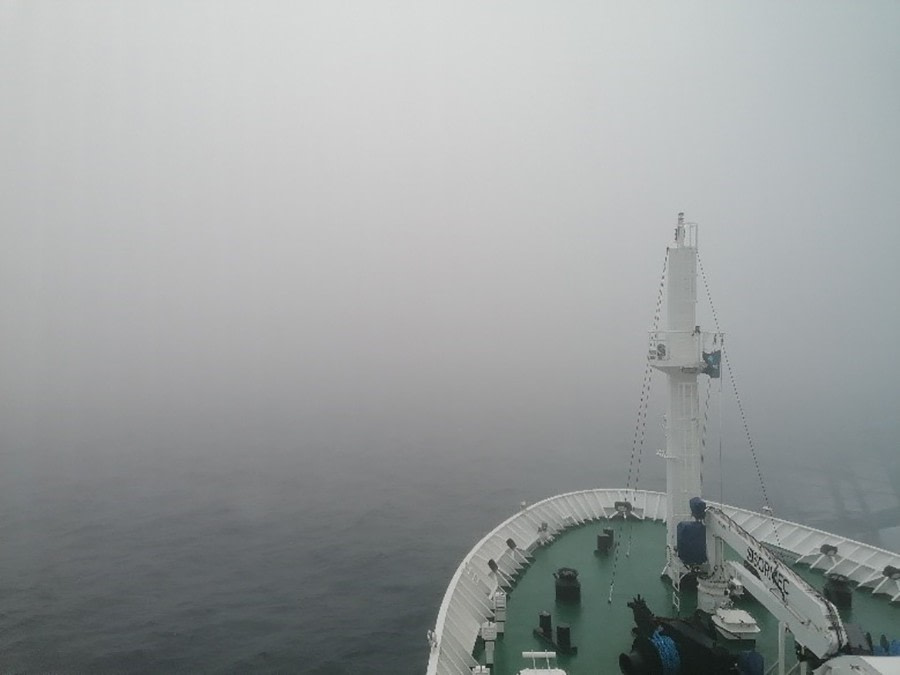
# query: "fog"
[[437, 227]]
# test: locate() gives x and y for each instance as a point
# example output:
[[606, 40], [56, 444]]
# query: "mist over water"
[[265, 560], [299, 301], [252, 556]]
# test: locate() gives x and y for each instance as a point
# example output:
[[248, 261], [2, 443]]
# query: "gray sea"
[[129, 557]]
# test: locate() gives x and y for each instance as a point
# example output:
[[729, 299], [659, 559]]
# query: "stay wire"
[[703, 431], [767, 508], [721, 431], [637, 442]]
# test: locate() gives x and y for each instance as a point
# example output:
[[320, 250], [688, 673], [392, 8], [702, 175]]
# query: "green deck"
[[602, 630]]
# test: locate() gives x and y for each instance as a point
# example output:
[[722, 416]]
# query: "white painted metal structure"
[[861, 665], [547, 669], [467, 601], [678, 352]]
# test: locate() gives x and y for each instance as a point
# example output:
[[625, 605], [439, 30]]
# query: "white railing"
[[466, 604]]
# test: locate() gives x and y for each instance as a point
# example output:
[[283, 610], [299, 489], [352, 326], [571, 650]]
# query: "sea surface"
[[285, 558]]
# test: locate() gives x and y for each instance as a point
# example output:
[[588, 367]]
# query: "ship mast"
[[680, 351]]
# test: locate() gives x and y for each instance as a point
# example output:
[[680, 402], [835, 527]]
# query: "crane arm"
[[811, 618]]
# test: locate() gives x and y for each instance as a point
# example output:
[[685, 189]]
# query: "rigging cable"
[[721, 431], [705, 428], [640, 426], [703, 431], [767, 507]]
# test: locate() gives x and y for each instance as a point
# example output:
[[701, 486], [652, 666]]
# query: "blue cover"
[[750, 663], [691, 542], [698, 507]]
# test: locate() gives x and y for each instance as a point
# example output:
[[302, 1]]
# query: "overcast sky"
[[338, 219]]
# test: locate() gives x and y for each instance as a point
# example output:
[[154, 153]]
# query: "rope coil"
[[668, 652]]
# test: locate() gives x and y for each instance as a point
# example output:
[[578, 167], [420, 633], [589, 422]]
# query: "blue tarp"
[[691, 542]]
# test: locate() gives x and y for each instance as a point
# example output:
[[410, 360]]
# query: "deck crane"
[[810, 617]]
